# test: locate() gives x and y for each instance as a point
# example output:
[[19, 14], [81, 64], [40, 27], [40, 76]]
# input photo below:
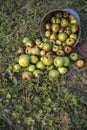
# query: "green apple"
[[67, 50], [66, 61], [70, 41], [26, 75], [74, 28], [62, 70], [64, 22], [34, 59], [60, 53], [24, 60], [54, 74], [74, 56], [73, 35], [55, 27], [47, 33], [62, 36], [58, 61], [47, 60], [55, 48], [16, 68], [53, 36], [40, 65], [37, 73], [47, 47], [31, 68], [25, 40], [29, 43]]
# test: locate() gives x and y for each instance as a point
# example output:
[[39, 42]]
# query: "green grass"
[[39, 104]]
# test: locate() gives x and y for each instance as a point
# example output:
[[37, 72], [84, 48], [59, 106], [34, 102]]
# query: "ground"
[[39, 104]]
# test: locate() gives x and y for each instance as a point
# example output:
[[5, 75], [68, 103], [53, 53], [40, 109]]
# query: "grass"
[[39, 104]]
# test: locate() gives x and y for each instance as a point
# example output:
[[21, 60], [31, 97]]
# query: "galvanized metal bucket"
[[48, 15]]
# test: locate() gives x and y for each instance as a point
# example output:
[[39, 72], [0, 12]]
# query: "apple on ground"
[[80, 63], [34, 59], [26, 75], [31, 68], [55, 48], [40, 65], [58, 61], [37, 73], [47, 47], [24, 60], [66, 61], [16, 68], [74, 56], [62, 70], [20, 50], [54, 73]]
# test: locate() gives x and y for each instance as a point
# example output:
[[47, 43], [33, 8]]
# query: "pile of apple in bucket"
[[54, 52]]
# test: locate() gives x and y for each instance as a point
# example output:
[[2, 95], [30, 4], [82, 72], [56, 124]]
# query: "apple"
[[64, 22], [58, 15], [66, 61], [65, 14], [47, 60], [55, 48], [62, 70], [58, 61], [61, 29], [24, 60], [74, 21], [62, 36], [47, 47], [35, 51], [58, 42], [70, 41], [54, 74], [48, 26], [25, 40], [53, 36], [55, 27], [28, 50], [29, 43], [45, 39], [37, 73], [71, 17], [74, 56], [53, 19], [80, 63], [37, 41], [58, 21], [47, 33], [74, 28], [73, 35], [67, 50], [34, 59], [26, 75], [20, 50], [50, 67], [60, 53], [16, 68], [40, 65], [42, 52], [31, 68]]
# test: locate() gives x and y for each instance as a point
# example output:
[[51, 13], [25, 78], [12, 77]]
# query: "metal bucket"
[[46, 18]]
